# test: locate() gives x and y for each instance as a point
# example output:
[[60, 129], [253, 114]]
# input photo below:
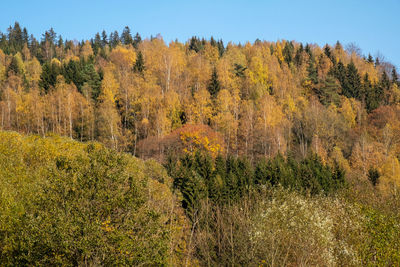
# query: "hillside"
[[67, 203], [263, 98], [120, 150]]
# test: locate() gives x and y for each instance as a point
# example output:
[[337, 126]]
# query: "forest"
[[123, 150]]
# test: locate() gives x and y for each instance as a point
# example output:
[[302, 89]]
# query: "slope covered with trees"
[[263, 98], [258, 140]]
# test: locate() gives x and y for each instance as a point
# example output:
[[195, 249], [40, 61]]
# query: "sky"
[[372, 25]]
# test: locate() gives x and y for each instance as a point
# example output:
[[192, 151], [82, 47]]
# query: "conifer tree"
[[139, 66], [298, 58], [352, 83], [137, 40], [214, 85], [395, 77], [312, 70], [126, 36], [370, 59]]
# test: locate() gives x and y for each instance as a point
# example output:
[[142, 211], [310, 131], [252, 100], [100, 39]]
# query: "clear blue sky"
[[372, 24]]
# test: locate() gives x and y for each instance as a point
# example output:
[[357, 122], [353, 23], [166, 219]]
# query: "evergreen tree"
[[48, 77], [370, 59], [137, 40], [308, 50], [214, 85], [96, 44], [352, 83], [328, 53], [221, 47], [395, 77], [312, 70], [340, 73], [298, 58], [104, 40], [373, 176], [139, 66], [195, 44], [114, 39], [288, 52], [329, 91], [126, 36]]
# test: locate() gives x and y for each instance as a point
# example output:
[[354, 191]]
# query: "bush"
[[68, 203]]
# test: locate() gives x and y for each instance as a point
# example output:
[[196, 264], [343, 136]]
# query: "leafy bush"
[[68, 203]]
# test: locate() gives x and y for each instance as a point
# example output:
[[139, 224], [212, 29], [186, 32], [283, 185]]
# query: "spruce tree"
[[312, 70], [214, 85], [352, 83], [329, 91], [370, 59], [288, 52], [137, 40], [139, 64], [395, 77], [126, 36], [298, 58], [104, 39], [373, 176]]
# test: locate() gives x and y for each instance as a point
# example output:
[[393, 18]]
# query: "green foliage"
[[312, 70], [48, 77], [81, 72], [381, 247], [214, 85], [352, 84], [329, 91], [65, 203], [288, 52], [228, 180], [139, 66]]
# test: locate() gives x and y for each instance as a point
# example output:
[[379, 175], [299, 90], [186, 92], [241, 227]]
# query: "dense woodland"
[[273, 153]]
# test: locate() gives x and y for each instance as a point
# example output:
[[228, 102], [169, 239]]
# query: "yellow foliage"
[[86, 50], [123, 57], [348, 113], [196, 140], [390, 175]]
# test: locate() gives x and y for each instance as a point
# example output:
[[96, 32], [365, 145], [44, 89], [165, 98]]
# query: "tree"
[[395, 76], [139, 66], [329, 90], [17, 65], [373, 176], [108, 119], [137, 40], [126, 36], [214, 85], [352, 83]]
